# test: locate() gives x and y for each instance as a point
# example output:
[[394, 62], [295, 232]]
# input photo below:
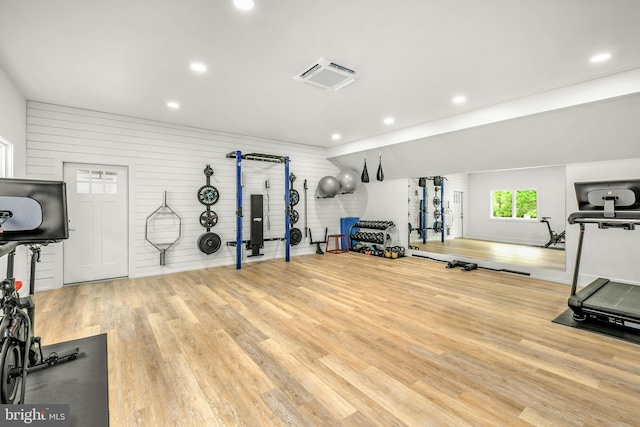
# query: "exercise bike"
[[21, 351], [32, 213], [554, 238]]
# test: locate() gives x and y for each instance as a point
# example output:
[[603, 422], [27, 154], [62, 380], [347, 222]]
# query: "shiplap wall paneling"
[[165, 157]]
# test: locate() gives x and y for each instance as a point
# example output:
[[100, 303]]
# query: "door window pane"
[[110, 182], [96, 182]]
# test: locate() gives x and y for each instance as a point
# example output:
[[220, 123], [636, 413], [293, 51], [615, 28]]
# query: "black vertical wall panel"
[[257, 223]]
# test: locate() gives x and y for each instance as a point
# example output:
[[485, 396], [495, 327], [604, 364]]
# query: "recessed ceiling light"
[[244, 4], [601, 57], [198, 67], [173, 105], [389, 120], [336, 136], [460, 99]]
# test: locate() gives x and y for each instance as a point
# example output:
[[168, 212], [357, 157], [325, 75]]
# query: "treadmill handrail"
[[598, 218], [626, 220]]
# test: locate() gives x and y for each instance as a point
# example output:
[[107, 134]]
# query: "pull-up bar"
[[261, 158]]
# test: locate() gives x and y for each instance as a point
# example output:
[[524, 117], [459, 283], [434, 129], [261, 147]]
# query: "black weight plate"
[[209, 243], [294, 197], [208, 219], [294, 217], [208, 195], [295, 236]]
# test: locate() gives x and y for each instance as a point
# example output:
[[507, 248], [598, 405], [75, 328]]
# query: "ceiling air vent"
[[328, 74]]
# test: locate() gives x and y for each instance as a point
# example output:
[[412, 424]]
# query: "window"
[[6, 158], [522, 204], [96, 182]]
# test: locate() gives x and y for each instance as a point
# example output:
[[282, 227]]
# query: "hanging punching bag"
[[365, 174], [380, 174]]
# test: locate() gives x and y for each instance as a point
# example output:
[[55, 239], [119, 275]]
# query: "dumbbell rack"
[[378, 237]]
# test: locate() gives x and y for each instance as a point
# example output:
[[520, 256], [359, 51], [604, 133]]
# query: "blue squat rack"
[[239, 157], [423, 212]]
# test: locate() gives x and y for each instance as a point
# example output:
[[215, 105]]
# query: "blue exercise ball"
[[328, 186]]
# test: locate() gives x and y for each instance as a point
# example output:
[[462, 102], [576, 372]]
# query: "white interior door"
[[97, 247], [457, 215]]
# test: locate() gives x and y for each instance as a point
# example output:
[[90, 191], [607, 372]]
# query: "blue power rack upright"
[[442, 211], [238, 156], [423, 212]]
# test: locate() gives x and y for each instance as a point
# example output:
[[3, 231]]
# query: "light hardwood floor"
[[346, 340], [519, 255]]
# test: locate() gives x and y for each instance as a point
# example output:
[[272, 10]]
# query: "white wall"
[[611, 253], [13, 128], [161, 156], [601, 132], [581, 133], [549, 183], [12, 121]]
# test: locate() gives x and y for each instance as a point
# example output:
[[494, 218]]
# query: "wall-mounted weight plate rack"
[[208, 195]]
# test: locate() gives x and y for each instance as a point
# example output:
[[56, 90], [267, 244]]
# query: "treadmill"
[[607, 204]]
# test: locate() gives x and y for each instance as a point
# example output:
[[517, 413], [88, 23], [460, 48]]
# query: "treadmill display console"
[[598, 195]]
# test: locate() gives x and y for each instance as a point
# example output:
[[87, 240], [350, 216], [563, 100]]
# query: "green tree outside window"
[[515, 204], [527, 204], [502, 204]]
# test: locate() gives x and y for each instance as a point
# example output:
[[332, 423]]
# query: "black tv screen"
[[33, 211], [620, 195]]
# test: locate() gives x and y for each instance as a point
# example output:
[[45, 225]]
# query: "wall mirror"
[[512, 217]]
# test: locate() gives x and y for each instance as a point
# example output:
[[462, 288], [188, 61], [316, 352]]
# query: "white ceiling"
[[132, 56]]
